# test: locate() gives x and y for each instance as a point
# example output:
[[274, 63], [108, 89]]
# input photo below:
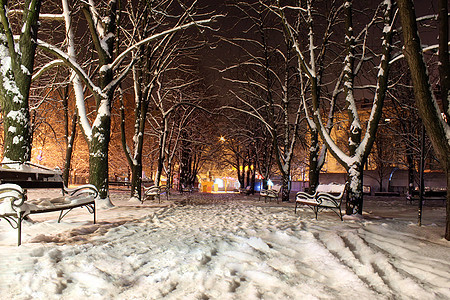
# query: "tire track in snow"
[[382, 265], [347, 254], [423, 270], [236, 251], [379, 267]]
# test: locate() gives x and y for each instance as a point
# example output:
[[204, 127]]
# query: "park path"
[[232, 250]]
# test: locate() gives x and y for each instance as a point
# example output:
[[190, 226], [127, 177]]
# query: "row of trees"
[[290, 77], [305, 63]]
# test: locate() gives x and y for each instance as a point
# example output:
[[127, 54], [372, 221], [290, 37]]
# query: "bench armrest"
[[263, 192], [328, 196], [305, 196], [82, 189], [13, 193], [326, 199], [152, 190], [272, 193]]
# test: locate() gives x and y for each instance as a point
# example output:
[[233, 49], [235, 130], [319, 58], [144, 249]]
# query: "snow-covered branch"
[[46, 67], [70, 62], [7, 36], [120, 57], [424, 50]]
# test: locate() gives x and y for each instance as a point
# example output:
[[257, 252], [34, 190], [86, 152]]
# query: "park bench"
[[326, 196], [16, 178], [270, 194], [154, 192], [186, 189], [428, 195], [245, 191]]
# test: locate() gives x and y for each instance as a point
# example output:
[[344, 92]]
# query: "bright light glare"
[[219, 182]]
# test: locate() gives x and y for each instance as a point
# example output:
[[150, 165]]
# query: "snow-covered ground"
[[227, 247]]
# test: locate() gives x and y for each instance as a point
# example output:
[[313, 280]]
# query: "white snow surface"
[[205, 246]]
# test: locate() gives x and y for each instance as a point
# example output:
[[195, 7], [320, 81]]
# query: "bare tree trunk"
[[98, 158], [355, 190], [240, 170], [184, 162], [285, 188], [411, 169], [16, 128], [253, 181], [248, 168], [136, 181], [69, 150], [69, 134], [314, 171]]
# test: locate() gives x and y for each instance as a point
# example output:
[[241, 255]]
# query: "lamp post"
[[421, 168]]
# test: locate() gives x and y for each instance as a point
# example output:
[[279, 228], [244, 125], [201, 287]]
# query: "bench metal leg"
[[95, 215], [90, 207], [62, 214], [19, 230], [20, 218], [16, 223]]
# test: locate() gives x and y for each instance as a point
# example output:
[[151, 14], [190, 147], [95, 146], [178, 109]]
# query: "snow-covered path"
[[232, 251]]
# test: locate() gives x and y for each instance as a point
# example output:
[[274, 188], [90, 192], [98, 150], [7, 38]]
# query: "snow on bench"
[[270, 194], [154, 192], [327, 196], [15, 205]]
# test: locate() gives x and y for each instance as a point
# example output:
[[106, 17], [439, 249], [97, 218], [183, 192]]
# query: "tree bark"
[[98, 156], [15, 81], [411, 169], [285, 187], [314, 170], [136, 181], [69, 150], [162, 151], [355, 189]]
